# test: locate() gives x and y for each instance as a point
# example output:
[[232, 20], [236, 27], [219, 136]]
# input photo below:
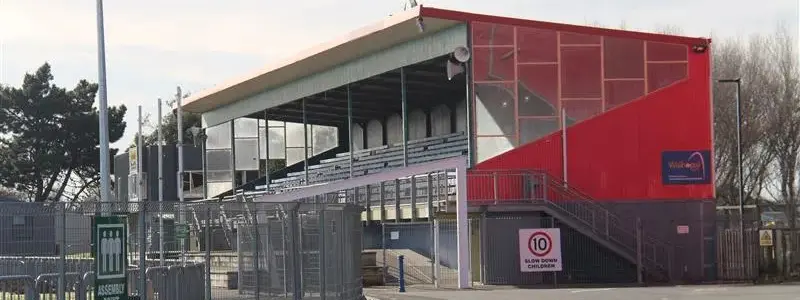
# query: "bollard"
[[401, 270]]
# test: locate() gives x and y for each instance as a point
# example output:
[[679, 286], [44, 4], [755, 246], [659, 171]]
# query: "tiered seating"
[[373, 160]]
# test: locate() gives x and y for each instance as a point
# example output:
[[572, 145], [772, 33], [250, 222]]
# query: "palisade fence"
[[732, 263], [46, 250]]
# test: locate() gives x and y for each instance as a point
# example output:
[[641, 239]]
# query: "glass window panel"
[[374, 134], [579, 110], [571, 38], [666, 52], [533, 129], [262, 138], [488, 147], [216, 176], [277, 143], [246, 154], [324, 138], [294, 135], [664, 74], [537, 45], [262, 123], [493, 64], [581, 75], [492, 34], [219, 137], [294, 155], [494, 109], [621, 92], [216, 188], [623, 58], [245, 127], [218, 160], [538, 90], [273, 123]]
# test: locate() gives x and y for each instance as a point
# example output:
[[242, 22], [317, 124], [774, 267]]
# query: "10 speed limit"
[[540, 250]]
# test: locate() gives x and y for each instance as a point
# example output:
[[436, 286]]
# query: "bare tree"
[[735, 59], [783, 135]]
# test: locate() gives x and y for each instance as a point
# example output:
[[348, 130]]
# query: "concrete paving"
[[701, 292]]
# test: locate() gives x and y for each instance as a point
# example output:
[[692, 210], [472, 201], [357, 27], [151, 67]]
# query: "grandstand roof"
[[398, 28]]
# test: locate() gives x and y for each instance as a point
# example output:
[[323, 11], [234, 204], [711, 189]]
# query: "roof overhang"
[[398, 28], [366, 52]]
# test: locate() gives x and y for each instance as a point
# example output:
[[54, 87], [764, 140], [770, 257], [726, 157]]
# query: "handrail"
[[539, 186]]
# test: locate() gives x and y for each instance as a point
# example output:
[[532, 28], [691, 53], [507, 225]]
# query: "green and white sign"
[[111, 240]]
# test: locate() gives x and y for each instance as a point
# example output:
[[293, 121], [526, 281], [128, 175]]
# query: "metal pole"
[[179, 185], [323, 265], [462, 226], [401, 270], [740, 189], [62, 249], [639, 274], [142, 216], [160, 188], [266, 150], [739, 164], [208, 254], [305, 140], [564, 143], [256, 254], [404, 100], [105, 187], [350, 127]]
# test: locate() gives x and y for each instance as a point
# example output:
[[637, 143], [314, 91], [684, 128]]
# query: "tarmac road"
[[702, 292]]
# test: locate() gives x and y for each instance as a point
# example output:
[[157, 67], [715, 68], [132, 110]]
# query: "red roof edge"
[[473, 17]]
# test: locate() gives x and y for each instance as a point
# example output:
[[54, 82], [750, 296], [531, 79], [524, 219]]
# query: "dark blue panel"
[[686, 167]]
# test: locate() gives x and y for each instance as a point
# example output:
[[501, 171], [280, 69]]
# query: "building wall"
[[626, 102]]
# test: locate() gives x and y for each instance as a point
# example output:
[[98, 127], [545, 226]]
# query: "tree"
[[169, 123], [49, 138]]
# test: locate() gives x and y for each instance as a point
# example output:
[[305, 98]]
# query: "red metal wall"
[[627, 99]]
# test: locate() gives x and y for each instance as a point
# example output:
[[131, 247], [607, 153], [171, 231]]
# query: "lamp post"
[[105, 187], [738, 82]]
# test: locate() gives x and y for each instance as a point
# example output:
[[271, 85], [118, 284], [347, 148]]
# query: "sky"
[[152, 46]]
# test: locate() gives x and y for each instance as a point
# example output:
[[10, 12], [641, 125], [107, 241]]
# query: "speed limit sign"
[[540, 250]]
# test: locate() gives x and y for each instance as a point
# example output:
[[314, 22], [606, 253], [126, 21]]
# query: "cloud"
[[154, 45]]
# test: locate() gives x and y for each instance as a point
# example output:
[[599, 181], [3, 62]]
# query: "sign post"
[[110, 260], [540, 250]]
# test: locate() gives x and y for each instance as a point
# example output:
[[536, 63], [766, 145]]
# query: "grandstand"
[[385, 119]]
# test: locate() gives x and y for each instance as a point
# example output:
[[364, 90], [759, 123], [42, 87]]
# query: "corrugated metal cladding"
[[624, 102], [408, 53]]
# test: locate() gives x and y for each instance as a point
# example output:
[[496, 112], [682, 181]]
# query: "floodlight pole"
[[738, 82], [179, 185], [141, 205], [105, 187], [160, 188]]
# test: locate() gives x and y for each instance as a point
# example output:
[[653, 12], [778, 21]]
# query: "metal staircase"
[[549, 194]]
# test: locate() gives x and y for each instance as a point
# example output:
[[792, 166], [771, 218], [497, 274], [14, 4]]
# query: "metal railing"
[[537, 187]]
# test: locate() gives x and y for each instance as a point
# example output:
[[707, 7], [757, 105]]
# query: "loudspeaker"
[[461, 54], [454, 69]]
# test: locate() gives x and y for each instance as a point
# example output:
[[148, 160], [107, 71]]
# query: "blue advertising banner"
[[686, 167]]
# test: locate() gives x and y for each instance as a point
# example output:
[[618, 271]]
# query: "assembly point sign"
[[540, 250], [109, 258]]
